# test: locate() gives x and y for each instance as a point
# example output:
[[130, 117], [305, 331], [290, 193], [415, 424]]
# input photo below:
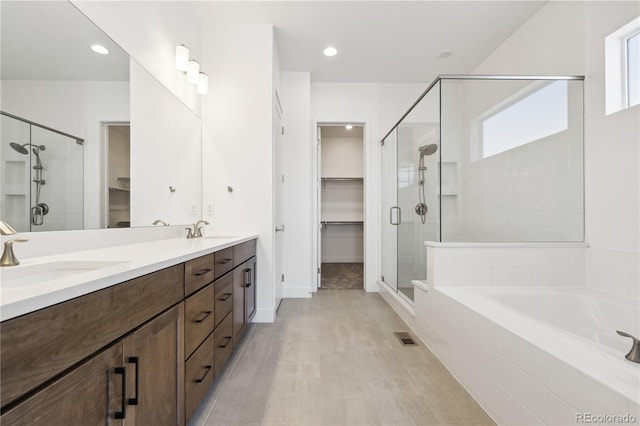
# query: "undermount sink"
[[37, 274]]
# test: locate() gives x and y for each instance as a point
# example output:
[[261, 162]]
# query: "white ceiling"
[[51, 40], [378, 41]]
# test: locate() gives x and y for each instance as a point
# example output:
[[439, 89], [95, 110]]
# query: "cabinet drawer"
[[39, 345], [224, 261], [198, 318], [199, 375], [244, 251], [223, 298], [198, 273], [223, 341]]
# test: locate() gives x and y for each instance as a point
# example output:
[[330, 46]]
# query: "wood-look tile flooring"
[[342, 276], [333, 360]]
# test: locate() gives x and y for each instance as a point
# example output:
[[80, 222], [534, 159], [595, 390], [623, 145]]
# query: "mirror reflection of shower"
[[40, 210], [421, 207]]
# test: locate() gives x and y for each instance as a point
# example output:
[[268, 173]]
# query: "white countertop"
[[134, 260]]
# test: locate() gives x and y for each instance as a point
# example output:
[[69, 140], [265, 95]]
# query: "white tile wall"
[[506, 266], [614, 272]]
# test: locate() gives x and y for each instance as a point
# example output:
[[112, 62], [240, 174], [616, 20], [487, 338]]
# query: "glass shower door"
[[390, 213]]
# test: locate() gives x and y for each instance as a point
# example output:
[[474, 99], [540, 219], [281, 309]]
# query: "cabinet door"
[[250, 291], [240, 280], [154, 356], [89, 395]]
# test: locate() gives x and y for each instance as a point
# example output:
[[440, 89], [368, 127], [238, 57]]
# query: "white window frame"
[[616, 91], [626, 94]]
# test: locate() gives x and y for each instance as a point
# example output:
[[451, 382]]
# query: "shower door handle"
[[398, 216]]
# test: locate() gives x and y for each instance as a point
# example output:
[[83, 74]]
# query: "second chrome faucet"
[[196, 231]]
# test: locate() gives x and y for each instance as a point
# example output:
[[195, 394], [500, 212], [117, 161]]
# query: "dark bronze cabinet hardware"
[[225, 296], [224, 261], [247, 277], [122, 414], [204, 317], [202, 272], [226, 342], [134, 360], [208, 368]]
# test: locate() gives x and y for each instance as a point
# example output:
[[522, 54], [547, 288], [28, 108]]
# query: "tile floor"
[[333, 360], [342, 276]]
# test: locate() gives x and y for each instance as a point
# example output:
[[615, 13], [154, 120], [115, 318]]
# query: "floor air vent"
[[405, 338]]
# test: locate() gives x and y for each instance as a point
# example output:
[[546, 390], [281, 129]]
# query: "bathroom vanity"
[[143, 350]]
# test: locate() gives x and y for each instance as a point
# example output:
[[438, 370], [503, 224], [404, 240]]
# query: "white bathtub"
[[535, 355]]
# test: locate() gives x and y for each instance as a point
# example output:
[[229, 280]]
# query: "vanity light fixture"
[[348, 127], [330, 51], [182, 57], [193, 71], [192, 68], [100, 49], [203, 84]]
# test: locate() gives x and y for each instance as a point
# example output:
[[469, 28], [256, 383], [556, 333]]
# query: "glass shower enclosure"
[[480, 159], [42, 176]]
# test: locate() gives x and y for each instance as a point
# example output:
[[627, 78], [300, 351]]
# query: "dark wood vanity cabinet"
[[136, 353]]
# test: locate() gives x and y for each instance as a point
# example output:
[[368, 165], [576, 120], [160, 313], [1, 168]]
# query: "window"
[[622, 69], [539, 114], [632, 50]]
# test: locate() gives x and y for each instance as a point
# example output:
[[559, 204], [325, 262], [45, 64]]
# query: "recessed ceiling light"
[[444, 54], [348, 127], [330, 51], [100, 49]]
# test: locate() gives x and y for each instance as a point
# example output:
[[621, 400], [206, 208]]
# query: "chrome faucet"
[[634, 352], [196, 232], [160, 221], [8, 256]]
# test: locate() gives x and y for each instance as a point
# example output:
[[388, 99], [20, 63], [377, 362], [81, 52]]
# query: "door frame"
[[104, 169], [316, 184]]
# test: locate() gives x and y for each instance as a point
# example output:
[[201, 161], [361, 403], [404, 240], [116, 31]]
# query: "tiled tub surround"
[[518, 327], [130, 261], [525, 370]]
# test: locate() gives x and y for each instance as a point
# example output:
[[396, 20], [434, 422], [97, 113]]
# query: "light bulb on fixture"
[[348, 127], [203, 84], [193, 71], [182, 57]]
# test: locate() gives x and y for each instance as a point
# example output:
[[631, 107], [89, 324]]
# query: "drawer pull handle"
[[204, 317], [225, 297], [122, 414], [224, 261], [201, 379], [226, 342], [247, 277], [134, 360], [202, 272]]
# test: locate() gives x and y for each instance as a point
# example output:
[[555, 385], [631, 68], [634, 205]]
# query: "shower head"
[[22, 150], [427, 149], [19, 148]]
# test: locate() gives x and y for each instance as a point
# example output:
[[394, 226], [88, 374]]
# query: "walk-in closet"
[[342, 207]]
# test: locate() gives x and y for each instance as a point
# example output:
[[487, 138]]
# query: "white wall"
[[165, 152], [149, 32], [238, 143], [568, 38], [298, 188]]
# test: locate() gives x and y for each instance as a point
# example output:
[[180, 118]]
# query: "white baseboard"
[[264, 315], [296, 292]]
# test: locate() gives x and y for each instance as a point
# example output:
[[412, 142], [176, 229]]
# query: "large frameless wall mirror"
[[87, 140]]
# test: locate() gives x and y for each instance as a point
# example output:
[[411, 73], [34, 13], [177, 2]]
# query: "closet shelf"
[[342, 222], [111, 188], [343, 178]]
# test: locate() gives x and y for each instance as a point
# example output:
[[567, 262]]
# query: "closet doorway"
[[341, 207]]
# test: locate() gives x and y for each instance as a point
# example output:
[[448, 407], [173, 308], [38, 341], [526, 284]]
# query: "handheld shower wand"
[[421, 208]]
